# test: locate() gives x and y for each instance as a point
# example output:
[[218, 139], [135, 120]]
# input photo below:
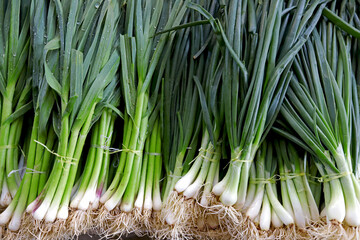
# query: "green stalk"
[[139, 203], [71, 171], [20, 200], [11, 179], [102, 182], [148, 202], [141, 102], [37, 166], [47, 156], [119, 171], [54, 178], [174, 176], [99, 158], [129, 195], [89, 165], [212, 173], [157, 203], [104, 173], [60, 185]]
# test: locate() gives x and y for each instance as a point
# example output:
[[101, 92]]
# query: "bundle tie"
[[330, 177], [288, 176], [107, 142], [273, 179], [312, 181], [237, 159], [62, 159], [103, 147], [116, 150], [207, 150], [174, 176], [8, 146], [28, 170], [202, 155], [153, 153]]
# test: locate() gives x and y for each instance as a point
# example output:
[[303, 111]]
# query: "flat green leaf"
[[18, 113], [205, 110], [51, 80], [128, 80]]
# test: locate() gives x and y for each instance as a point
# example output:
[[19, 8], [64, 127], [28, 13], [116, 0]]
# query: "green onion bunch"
[[86, 66], [323, 114], [138, 46], [255, 89], [15, 85], [188, 124]]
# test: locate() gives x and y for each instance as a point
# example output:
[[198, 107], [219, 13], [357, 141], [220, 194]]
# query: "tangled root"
[[229, 218], [178, 218], [143, 218], [117, 223], [190, 221], [80, 221], [29, 228], [327, 230]]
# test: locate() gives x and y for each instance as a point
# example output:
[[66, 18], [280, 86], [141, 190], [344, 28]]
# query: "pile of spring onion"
[[180, 119]]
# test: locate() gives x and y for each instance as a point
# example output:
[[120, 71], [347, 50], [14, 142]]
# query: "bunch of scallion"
[[321, 106], [86, 66], [38, 162], [15, 88], [255, 87], [144, 57]]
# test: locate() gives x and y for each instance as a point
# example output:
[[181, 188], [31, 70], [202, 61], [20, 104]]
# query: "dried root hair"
[[80, 221], [327, 230], [229, 218], [181, 212], [117, 224]]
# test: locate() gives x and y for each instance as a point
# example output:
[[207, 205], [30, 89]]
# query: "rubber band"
[[241, 160], [101, 147], [63, 159], [208, 158], [117, 150], [8, 146], [208, 150], [24, 168], [330, 177], [173, 176], [153, 153], [237, 159], [107, 138], [288, 176], [313, 182], [273, 179], [201, 155]]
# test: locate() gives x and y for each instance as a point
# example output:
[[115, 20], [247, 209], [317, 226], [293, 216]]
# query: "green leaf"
[[128, 80], [51, 80], [2, 85], [205, 110], [18, 113], [98, 85]]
